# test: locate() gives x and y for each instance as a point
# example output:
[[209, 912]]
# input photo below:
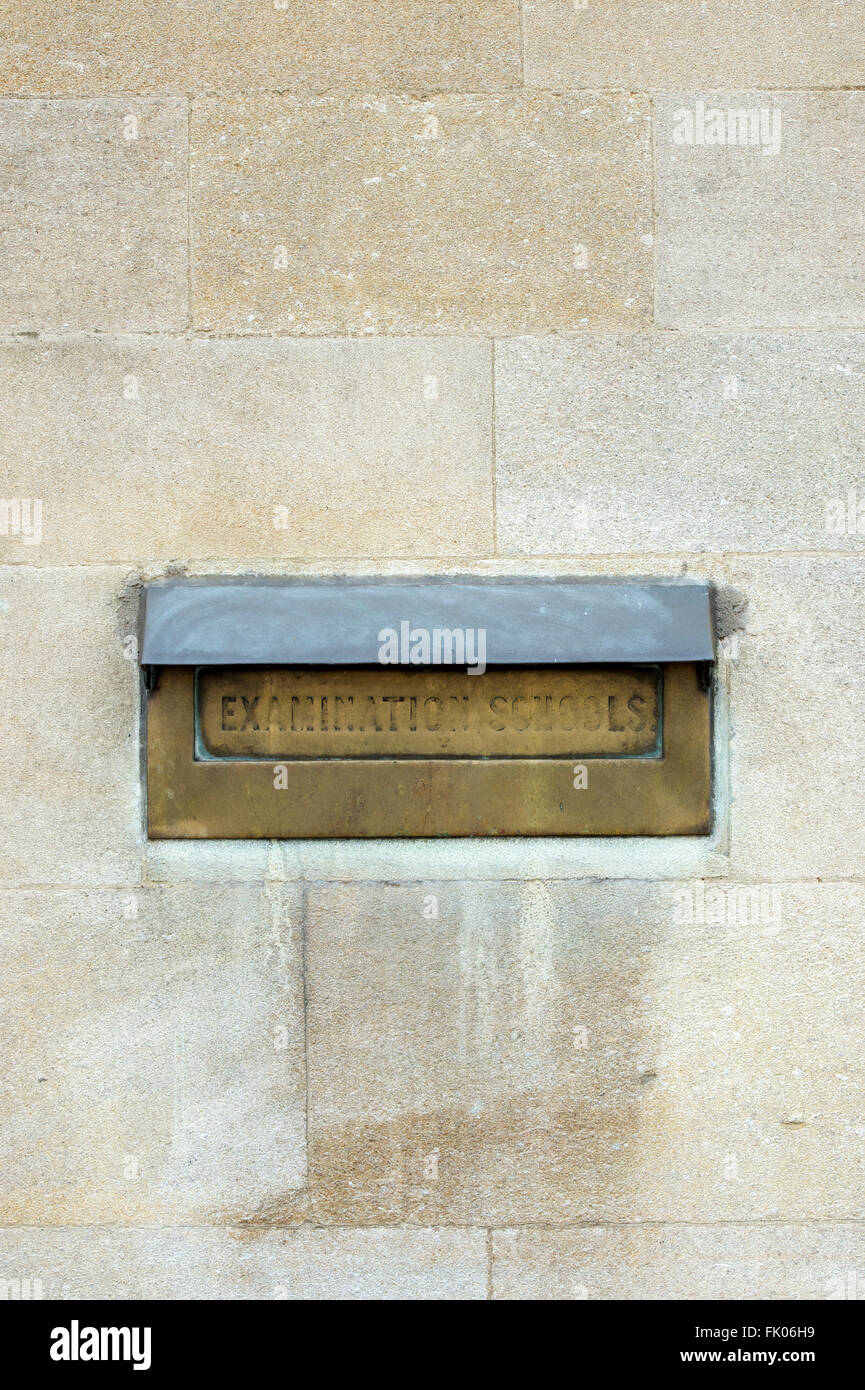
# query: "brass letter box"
[[295, 709]]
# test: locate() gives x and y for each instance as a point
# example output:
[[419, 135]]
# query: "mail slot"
[[280, 712], [283, 709]]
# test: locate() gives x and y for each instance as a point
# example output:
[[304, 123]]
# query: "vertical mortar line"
[[489, 1263], [140, 707], [522, 37], [654, 175], [493, 443], [723, 751], [304, 903], [189, 283]]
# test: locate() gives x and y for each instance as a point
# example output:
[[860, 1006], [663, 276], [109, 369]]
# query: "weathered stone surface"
[[670, 442], [249, 253], [754, 239], [673, 43], [825, 1261], [158, 1072], [593, 1051], [465, 213], [94, 215], [797, 738], [82, 47], [679, 856], [93, 47], [232, 1263], [208, 861], [70, 809], [247, 450]]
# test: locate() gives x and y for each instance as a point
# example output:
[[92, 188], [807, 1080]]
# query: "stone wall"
[[419, 286]]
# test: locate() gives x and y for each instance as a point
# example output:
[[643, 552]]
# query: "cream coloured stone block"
[[661, 443], [249, 1262], [85, 47], [765, 235], [808, 1261], [639, 44], [796, 734], [587, 1052], [158, 1069], [476, 214], [70, 804], [94, 216], [250, 451]]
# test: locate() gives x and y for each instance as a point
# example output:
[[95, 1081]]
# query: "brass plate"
[[630, 789], [322, 712]]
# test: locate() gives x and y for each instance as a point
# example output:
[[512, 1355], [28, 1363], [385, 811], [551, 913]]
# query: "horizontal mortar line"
[[249, 96], [91, 887], [647, 329], [830, 1222], [670, 90], [95, 335], [583, 563], [709, 89], [740, 332], [18, 337], [660, 1223], [432, 339], [426, 335], [696, 555], [594, 878], [371, 92], [480, 335], [118, 96], [248, 1227]]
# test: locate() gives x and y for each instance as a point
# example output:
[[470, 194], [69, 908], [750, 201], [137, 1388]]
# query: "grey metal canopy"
[[337, 622]]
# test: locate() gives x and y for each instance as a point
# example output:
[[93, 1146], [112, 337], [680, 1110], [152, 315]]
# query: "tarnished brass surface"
[[666, 792], [390, 712]]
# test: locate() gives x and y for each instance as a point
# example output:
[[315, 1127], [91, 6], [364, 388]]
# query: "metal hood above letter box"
[[284, 708]]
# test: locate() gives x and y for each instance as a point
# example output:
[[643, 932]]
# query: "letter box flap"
[[294, 622]]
